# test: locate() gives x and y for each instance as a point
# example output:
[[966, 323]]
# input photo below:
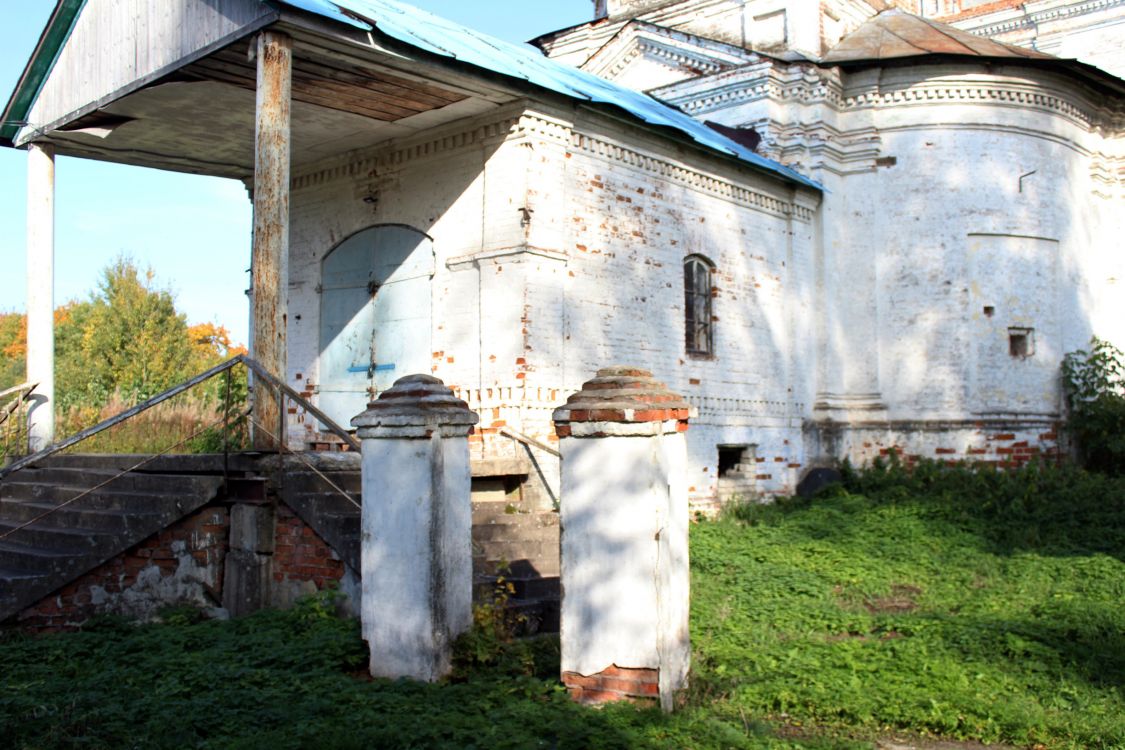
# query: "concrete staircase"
[[509, 540], [38, 559], [521, 546]]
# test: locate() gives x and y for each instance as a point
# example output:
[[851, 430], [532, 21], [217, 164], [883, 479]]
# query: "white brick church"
[[871, 230]]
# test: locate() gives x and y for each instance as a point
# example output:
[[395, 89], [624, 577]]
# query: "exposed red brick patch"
[[300, 554], [204, 538], [614, 684]]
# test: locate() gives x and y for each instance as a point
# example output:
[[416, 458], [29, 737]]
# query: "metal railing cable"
[[521, 438], [118, 418], [283, 449], [115, 477], [22, 393], [280, 388], [256, 368]]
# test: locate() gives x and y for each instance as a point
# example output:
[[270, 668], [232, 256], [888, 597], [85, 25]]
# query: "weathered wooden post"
[[41, 294], [270, 258], [624, 543], [417, 527]]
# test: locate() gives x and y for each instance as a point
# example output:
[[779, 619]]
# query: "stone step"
[[76, 517], [210, 464], [28, 559], [103, 499], [84, 479], [517, 559], [312, 483], [40, 558], [522, 587], [532, 531], [536, 616], [499, 512], [49, 536]]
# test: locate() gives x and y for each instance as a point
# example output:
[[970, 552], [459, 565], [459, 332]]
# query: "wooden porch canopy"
[[228, 88], [172, 85]]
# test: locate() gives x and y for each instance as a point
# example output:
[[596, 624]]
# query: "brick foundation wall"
[[1005, 447], [614, 684], [183, 564], [300, 555]]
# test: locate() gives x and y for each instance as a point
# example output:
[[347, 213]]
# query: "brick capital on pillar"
[[416, 555], [416, 406], [622, 401], [624, 542]]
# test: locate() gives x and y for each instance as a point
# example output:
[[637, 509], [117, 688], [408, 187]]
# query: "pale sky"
[[193, 231]]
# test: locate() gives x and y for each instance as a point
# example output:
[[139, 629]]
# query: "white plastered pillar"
[[41, 294], [623, 511], [416, 556]]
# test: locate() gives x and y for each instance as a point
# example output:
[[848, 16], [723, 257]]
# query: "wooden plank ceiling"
[[331, 84]]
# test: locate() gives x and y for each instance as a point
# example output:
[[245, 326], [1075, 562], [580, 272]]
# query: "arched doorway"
[[375, 313]]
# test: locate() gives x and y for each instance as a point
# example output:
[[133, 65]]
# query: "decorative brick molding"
[[614, 684], [743, 196], [1024, 18]]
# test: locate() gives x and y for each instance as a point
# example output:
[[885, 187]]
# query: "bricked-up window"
[[1021, 342], [698, 331]]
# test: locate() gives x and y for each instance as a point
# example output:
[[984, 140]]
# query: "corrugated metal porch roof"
[[440, 36]]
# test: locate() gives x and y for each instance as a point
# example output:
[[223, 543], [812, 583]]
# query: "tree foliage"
[[125, 343], [13, 349], [1094, 384]]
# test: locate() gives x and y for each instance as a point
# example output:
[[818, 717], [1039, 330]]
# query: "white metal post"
[[41, 294]]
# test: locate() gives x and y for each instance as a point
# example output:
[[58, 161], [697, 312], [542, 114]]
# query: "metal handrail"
[[22, 392], [520, 437], [115, 420], [265, 375], [114, 478], [18, 388]]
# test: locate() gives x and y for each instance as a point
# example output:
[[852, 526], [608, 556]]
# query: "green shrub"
[[1094, 385]]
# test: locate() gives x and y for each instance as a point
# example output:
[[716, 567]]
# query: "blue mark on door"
[[376, 368]]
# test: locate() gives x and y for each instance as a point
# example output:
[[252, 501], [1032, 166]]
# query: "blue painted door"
[[374, 316]]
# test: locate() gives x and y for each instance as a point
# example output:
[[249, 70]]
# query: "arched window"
[[698, 333]]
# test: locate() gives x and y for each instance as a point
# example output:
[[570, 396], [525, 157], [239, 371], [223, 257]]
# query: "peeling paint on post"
[[624, 542], [41, 293], [417, 559], [270, 262]]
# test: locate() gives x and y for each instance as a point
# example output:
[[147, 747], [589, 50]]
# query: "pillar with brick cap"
[[624, 543], [417, 527]]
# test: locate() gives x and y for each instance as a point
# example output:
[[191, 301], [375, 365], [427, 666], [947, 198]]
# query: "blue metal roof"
[[440, 36]]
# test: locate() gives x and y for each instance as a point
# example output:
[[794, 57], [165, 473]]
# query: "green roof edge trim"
[[38, 68]]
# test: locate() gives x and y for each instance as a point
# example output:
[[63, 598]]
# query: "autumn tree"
[[126, 339], [13, 349]]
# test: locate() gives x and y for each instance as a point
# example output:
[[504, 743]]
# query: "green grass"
[[943, 603], [983, 606]]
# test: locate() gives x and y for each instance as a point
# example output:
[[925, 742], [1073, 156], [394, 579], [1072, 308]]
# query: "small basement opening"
[[737, 470]]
